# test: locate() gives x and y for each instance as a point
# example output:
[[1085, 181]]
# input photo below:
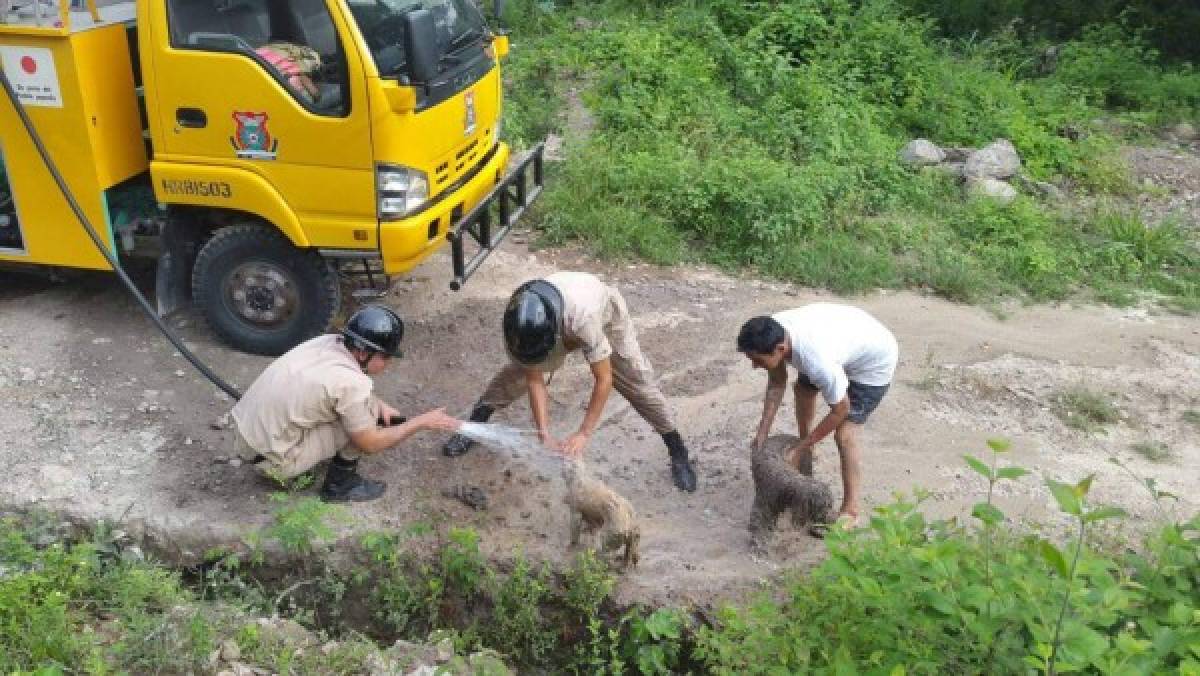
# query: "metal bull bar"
[[511, 196]]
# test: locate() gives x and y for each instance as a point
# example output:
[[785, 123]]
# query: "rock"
[[445, 650], [1042, 188], [584, 24], [1184, 131], [472, 496], [230, 651], [954, 169], [1049, 191], [921, 152], [957, 153], [997, 160], [992, 189]]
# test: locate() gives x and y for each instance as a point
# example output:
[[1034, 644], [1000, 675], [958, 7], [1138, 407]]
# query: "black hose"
[[108, 256]]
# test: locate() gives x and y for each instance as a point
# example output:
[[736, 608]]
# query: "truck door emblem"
[[469, 123], [251, 140]]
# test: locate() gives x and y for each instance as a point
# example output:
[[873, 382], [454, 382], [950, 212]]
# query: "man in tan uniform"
[[567, 311], [317, 402]]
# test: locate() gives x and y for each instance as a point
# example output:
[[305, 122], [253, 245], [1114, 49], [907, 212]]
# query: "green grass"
[[1154, 451], [905, 595], [1084, 409], [1191, 416], [765, 136]]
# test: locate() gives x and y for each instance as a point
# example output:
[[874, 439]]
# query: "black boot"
[[343, 483], [459, 444], [681, 467]]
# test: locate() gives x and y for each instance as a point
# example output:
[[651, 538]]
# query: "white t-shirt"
[[834, 344]]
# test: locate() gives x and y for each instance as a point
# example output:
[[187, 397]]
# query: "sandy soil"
[[102, 419]]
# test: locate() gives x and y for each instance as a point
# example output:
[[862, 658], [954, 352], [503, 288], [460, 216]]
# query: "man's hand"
[[574, 445], [548, 441], [386, 413], [436, 419]]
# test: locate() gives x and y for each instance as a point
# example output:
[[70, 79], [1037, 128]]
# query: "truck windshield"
[[459, 23]]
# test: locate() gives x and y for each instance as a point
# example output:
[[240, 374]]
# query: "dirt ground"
[[103, 420]]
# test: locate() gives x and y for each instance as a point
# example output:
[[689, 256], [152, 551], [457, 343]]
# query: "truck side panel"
[[88, 122]]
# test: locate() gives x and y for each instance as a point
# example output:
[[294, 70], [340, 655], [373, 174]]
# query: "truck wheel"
[[260, 293]]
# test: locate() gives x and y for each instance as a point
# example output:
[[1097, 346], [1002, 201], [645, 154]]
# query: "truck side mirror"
[[421, 46]]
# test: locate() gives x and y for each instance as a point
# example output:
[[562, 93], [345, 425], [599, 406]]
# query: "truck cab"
[[279, 145]]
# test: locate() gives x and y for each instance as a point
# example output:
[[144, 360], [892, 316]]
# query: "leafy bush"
[[918, 596], [765, 134]]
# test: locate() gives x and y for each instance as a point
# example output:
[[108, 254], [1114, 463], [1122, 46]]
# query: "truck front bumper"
[[491, 219], [403, 244]]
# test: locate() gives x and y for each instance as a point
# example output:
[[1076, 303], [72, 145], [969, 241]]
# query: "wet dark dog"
[[597, 509], [778, 487]]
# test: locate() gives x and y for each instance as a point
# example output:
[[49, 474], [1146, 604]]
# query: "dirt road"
[[102, 420]]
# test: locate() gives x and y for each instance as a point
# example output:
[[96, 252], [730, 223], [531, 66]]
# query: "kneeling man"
[[317, 402]]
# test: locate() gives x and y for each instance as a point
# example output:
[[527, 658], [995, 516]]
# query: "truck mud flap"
[[489, 222]]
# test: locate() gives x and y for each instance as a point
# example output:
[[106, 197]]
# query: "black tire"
[[260, 293]]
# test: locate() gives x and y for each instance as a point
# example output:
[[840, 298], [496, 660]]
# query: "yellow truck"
[[262, 150]]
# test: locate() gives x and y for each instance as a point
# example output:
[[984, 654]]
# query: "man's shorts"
[[863, 398]]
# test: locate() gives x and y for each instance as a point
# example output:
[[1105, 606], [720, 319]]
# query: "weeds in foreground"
[[1084, 409], [1191, 417], [912, 595], [906, 595], [1154, 451]]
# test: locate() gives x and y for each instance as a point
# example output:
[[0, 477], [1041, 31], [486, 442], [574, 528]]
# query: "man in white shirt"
[[839, 351]]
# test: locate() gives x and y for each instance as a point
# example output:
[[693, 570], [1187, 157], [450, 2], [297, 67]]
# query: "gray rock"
[[997, 160], [921, 153], [992, 189], [230, 651], [1042, 188], [954, 169], [1184, 131], [957, 153], [1050, 191]]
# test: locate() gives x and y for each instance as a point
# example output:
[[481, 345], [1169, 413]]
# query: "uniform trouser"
[[316, 444], [632, 377]]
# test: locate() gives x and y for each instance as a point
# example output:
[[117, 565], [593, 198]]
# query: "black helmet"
[[375, 328], [531, 322]]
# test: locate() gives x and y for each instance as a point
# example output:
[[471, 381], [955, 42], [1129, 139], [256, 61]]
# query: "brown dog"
[[778, 487], [597, 509]]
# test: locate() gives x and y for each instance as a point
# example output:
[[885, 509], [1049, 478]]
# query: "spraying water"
[[520, 445]]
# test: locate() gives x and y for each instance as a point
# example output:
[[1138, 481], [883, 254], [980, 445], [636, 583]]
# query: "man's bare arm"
[[539, 404], [776, 386], [601, 388], [376, 439]]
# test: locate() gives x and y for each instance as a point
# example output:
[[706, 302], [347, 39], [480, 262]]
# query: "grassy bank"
[[907, 595], [766, 135]]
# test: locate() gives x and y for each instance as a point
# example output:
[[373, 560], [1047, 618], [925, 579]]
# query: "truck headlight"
[[402, 191]]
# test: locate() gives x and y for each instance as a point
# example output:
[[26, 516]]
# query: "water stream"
[[518, 444]]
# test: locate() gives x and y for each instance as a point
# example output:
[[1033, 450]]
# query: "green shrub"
[[1155, 451], [517, 627], [1084, 409], [911, 595], [765, 135]]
